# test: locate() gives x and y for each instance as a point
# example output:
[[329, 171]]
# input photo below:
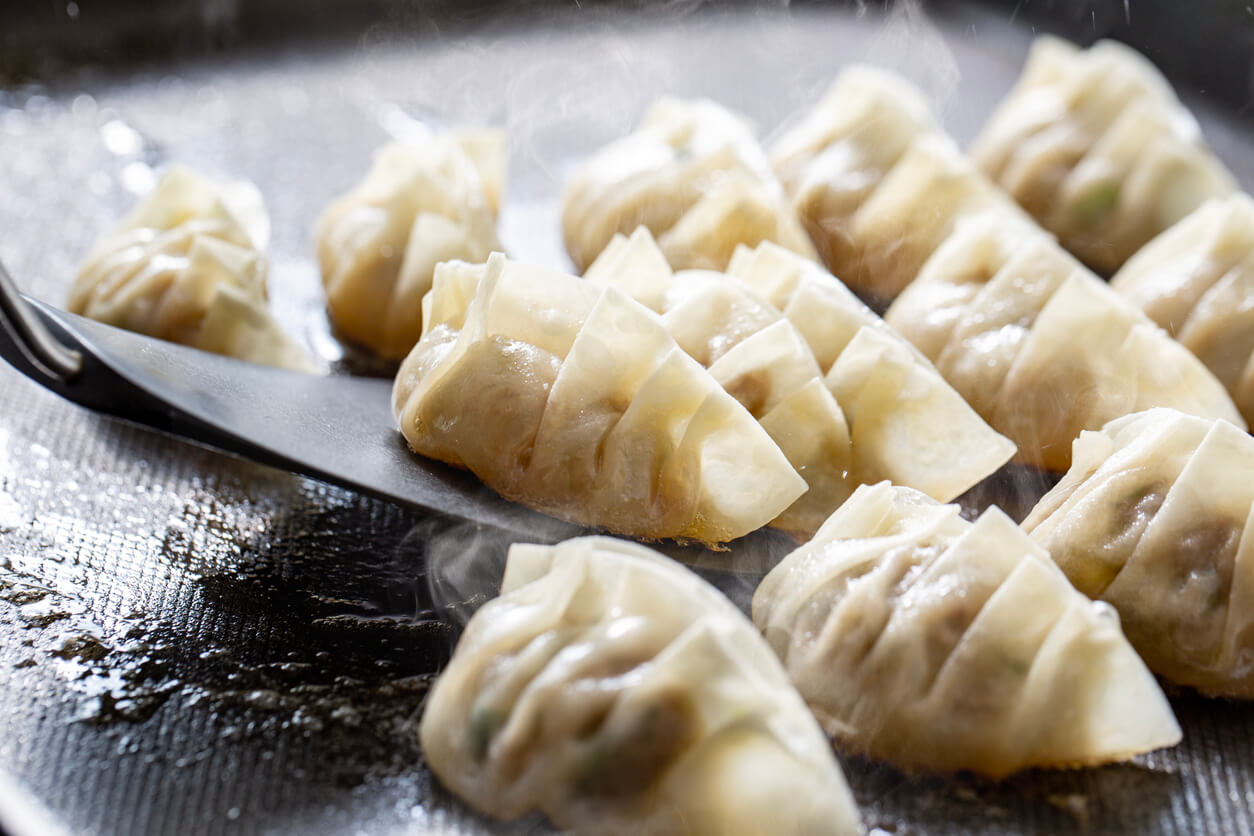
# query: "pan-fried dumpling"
[[1094, 143], [756, 355], [1156, 517], [573, 399], [423, 202], [873, 410], [907, 424], [941, 645], [186, 266], [694, 175], [863, 124], [617, 692], [1196, 280], [1040, 346], [876, 183]]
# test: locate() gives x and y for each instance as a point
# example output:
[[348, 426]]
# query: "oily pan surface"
[[190, 643]]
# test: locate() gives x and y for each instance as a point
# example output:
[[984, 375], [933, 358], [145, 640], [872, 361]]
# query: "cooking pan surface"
[[191, 643]]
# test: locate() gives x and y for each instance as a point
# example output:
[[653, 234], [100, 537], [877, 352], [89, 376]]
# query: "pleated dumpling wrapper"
[[872, 409], [1096, 146], [424, 201], [694, 175], [1039, 345], [875, 181], [756, 355], [573, 399], [940, 645], [186, 265], [1156, 517], [617, 692], [1196, 280], [907, 424]]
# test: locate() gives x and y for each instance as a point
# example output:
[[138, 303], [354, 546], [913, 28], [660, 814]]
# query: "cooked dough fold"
[[422, 202], [1096, 146], [941, 645], [694, 175], [186, 265], [1196, 280], [619, 693], [873, 409], [1040, 346], [1156, 517], [876, 182], [573, 399]]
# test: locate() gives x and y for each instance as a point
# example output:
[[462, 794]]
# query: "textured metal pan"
[[190, 643]]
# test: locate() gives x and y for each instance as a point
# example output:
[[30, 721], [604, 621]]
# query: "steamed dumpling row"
[[1196, 280], [1040, 346], [1097, 147], [574, 399], [423, 202], [186, 265], [1156, 517], [876, 182], [692, 174], [872, 408], [617, 692], [937, 644]]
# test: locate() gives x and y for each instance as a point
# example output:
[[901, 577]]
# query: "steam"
[[465, 562], [911, 45], [464, 565]]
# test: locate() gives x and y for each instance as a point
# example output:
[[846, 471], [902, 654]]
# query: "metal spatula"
[[337, 429]]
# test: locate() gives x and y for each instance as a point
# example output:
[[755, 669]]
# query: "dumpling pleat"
[[943, 645], [614, 691], [573, 399], [1016, 620], [1159, 510]]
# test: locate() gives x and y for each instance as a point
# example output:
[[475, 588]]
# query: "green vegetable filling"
[[1095, 204]]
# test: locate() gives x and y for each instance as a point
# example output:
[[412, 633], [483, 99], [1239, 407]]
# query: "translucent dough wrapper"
[[755, 355], [941, 645], [618, 693], [1040, 346], [1155, 517], [1196, 280], [1096, 146], [694, 176], [876, 182], [907, 424], [186, 266], [573, 399], [423, 202], [910, 425]]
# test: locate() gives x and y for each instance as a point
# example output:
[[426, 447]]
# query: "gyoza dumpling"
[[1196, 280], [907, 424], [876, 183], [186, 266], [423, 202], [573, 399], [1041, 347], [937, 644], [756, 355], [863, 124], [694, 175], [1156, 517], [617, 692], [1097, 147]]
